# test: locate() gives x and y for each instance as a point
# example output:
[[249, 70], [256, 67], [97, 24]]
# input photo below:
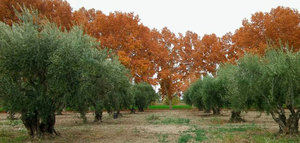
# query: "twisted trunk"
[[37, 127], [288, 125], [98, 116], [236, 117], [216, 111]]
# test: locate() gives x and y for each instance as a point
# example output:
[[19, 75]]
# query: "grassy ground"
[[175, 126]]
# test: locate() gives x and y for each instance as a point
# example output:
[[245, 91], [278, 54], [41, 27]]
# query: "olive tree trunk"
[[98, 116], [216, 111], [132, 110], [236, 117], [288, 125], [37, 127]]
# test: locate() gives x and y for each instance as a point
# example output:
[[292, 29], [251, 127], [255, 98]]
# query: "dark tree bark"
[[132, 111], [31, 123], [115, 116], [236, 117], [287, 125], [98, 116], [83, 117], [37, 127], [170, 104], [47, 126], [141, 109], [216, 111]]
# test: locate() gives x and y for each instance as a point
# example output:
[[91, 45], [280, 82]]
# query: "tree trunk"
[[292, 125], [37, 127], [236, 117], [287, 126], [115, 115], [98, 116], [47, 126], [216, 111], [83, 117], [31, 123], [119, 113], [141, 109], [132, 111], [170, 104]]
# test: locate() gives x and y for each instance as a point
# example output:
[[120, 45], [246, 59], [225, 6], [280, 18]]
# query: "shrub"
[[143, 95], [207, 93]]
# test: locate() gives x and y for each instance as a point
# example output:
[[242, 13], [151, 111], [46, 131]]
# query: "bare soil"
[[141, 128]]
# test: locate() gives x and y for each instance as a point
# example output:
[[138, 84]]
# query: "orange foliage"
[[162, 57], [57, 11], [280, 26], [123, 33], [168, 76]]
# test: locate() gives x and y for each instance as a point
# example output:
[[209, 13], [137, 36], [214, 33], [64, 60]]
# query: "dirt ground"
[[153, 126]]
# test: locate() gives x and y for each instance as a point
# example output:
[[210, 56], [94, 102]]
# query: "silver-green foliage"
[[42, 68], [143, 95], [269, 83]]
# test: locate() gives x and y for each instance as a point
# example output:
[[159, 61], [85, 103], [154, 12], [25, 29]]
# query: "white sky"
[[200, 16]]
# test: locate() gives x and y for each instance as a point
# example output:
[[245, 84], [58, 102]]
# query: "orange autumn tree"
[[57, 11], [167, 64], [199, 57], [190, 67], [212, 52], [126, 36], [279, 26]]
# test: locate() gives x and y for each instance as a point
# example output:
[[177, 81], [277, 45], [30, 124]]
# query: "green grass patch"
[[155, 119], [200, 135], [167, 107], [236, 128], [175, 121], [273, 138], [12, 137], [184, 138]]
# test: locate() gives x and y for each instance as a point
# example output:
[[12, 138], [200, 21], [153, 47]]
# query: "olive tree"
[[269, 83], [207, 93], [143, 94], [26, 51], [278, 88], [119, 97], [42, 67], [213, 92], [193, 96], [236, 84]]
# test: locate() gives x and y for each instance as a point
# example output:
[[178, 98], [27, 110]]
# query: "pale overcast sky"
[[200, 16]]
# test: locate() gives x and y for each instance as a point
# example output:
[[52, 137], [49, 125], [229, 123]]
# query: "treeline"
[[44, 70], [267, 83], [176, 60]]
